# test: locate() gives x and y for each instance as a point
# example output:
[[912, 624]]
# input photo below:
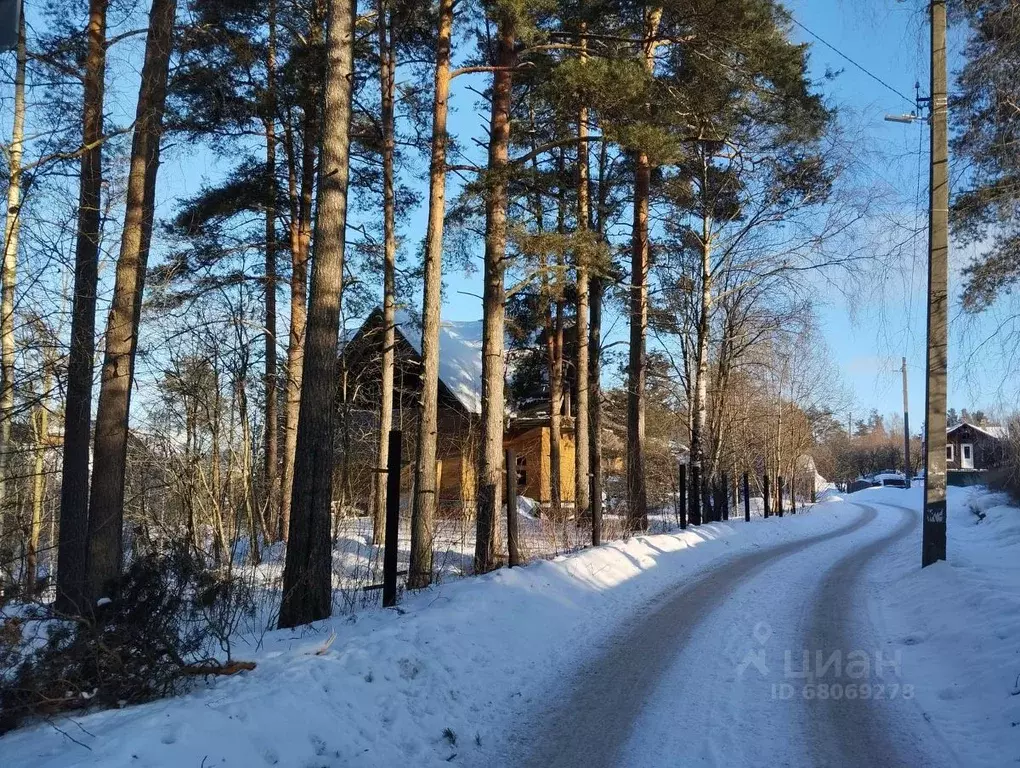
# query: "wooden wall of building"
[[533, 449]]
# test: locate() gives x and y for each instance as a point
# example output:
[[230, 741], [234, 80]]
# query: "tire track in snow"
[[846, 732], [594, 720]]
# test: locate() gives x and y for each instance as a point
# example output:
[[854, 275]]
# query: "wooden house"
[[530, 439], [970, 447], [460, 406]]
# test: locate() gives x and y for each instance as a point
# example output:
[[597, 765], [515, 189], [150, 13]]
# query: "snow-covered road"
[[778, 658], [677, 649]]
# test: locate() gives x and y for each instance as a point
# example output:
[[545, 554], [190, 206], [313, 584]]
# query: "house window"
[[950, 454], [522, 471]]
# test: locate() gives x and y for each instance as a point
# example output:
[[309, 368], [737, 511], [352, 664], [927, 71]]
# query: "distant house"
[[460, 408], [973, 448]]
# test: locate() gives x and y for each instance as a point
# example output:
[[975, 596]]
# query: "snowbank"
[[437, 682], [957, 624]]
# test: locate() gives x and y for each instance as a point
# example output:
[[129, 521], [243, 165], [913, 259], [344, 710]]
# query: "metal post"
[[747, 498], [682, 493], [389, 598], [906, 429], [512, 530], [724, 495], [694, 504], [779, 494], [765, 493], [933, 537]]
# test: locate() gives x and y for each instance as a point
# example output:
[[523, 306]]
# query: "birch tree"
[[8, 269]]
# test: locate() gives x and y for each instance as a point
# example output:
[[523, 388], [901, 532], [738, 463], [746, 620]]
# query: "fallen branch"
[[215, 668], [325, 646]]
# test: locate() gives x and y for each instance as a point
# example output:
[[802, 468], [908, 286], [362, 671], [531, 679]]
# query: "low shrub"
[[156, 631]]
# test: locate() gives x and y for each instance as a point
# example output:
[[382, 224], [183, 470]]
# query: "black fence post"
[[724, 495], [779, 494], [682, 493], [512, 530], [694, 502], [389, 598], [793, 496], [765, 494], [747, 498]]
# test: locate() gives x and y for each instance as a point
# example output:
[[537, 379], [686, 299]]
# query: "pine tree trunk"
[[717, 421], [298, 320], [557, 395], [637, 496], [216, 483], [426, 489], [387, 65], [554, 363], [8, 270], [74, 485], [255, 529], [301, 239], [41, 422], [581, 420], [307, 577], [271, 443], [779, 450], [494, 304], [595, 357], [106, 502], [637, 492]]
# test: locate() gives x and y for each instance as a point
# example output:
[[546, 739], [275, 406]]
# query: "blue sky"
[[886, 320], [891, 40]]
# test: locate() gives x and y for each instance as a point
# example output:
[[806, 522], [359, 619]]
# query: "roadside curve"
[[589, 726]]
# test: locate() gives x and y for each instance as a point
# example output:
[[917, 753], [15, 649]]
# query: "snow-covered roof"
[[460, 355], [996, 431]]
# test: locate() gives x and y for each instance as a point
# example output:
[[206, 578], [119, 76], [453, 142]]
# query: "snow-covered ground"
[[957, 624], [464, 656], [451, 676]]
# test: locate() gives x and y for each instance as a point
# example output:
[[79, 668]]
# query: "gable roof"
[[994, 431], [460, 355]]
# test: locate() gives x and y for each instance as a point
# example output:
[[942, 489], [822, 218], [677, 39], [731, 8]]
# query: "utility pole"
[[10, 23], [933, 540], [906, 428]]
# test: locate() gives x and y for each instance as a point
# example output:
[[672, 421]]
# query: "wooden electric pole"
[[933, 543]]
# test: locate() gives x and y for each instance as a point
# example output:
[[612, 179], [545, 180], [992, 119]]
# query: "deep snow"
[[447, 677], [957, 624], [465, 656]]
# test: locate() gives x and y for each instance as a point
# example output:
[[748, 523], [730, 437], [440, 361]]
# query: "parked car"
[[890, 479]]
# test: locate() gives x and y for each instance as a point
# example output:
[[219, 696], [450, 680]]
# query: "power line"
[[869, 73]]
